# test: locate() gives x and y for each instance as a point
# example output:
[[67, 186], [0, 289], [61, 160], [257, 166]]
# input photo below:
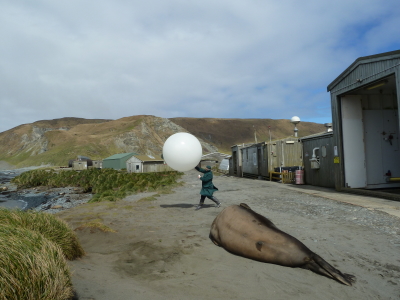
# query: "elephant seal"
[[241, 231]]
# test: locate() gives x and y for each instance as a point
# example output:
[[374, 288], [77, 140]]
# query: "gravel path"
[[161, 249]]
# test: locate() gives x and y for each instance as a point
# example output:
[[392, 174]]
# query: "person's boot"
[[213, 198], [200, 205]]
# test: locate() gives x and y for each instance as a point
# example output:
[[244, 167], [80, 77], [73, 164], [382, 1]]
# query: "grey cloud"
[[174, 58]]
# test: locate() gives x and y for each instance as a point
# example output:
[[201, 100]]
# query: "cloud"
[[241, 59]]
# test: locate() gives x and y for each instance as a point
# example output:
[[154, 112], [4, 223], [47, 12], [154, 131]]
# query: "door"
[[259, 160], [137, 168], [381, 145], [353, 142]]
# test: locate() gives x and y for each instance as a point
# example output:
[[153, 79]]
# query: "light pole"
[[269, 131], [295, 120]]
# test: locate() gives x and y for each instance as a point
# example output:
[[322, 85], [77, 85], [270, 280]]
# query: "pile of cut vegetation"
[[105, 184], [33, 251]]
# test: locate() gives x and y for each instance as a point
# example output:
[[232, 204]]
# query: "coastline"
[[51, 200]]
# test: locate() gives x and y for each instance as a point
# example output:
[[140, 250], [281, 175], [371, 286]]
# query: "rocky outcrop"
[[150, 135], [36, 142]]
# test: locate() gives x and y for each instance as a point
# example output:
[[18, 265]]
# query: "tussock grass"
[[31, 266], [105, 184], [50, 226]]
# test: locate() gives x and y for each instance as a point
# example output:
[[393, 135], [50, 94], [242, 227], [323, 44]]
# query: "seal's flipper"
[[244, 205], [314, 267], [323, 267]]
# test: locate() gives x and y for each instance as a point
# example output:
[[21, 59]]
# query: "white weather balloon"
[[182, 151]]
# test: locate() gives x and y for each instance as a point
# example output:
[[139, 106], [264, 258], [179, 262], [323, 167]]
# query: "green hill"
[[57, 141]]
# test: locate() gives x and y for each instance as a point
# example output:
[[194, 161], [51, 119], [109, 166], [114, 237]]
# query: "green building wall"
[[117, 161]]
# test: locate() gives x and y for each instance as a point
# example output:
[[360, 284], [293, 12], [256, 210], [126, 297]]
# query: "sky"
[[182, 58]]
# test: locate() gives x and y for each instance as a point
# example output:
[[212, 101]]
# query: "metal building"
[[80, 158], [235, 162], [287, 152], [146, 164], [257, 160], [79, 165], [318, 159], [97, 164], [365, 100], [117, 161], [224, 165], [254, 161]]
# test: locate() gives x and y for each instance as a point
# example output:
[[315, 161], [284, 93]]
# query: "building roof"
[[120, 155], [316, 135], [362, 60], [145, 158]]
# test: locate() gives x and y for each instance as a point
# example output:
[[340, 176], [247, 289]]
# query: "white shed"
[[79, 165], [146, 164]]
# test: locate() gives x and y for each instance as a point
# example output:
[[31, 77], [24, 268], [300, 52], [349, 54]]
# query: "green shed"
[[117, 161]]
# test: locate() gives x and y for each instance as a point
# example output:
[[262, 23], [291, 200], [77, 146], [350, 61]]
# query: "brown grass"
[[50, 226], [31, 267]]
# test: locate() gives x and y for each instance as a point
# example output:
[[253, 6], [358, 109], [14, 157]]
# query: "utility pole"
[[269, 131]]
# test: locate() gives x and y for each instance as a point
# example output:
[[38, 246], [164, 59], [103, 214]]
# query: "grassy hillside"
[[57, 141], [223, 133]]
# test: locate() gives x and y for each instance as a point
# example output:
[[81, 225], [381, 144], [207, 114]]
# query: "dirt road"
[[161, 249]]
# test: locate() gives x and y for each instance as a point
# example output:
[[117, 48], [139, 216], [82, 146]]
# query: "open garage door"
[[370, 130]]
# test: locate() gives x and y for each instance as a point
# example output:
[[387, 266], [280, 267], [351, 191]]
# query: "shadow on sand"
[[186, 205]]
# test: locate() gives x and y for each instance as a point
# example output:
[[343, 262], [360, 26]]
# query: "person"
[[207, 187]]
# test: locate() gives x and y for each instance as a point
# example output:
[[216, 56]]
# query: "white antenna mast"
[[295, 120]]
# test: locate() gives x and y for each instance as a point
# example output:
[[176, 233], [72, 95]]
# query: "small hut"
[[117, 161], [146, 164], [79, 165]]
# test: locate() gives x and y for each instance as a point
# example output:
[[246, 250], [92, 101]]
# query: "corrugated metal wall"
[[260, 159], [324, 176], [116, 164], [284, 153], [155, 167], [362, 72], [236, 168], [250, 161], [231, 166]]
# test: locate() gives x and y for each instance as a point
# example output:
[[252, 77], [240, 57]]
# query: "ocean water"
[[14, 199]]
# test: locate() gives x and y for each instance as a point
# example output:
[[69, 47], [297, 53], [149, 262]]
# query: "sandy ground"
[[161, 249]]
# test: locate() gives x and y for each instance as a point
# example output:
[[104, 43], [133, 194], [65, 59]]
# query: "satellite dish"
[[295, 120]]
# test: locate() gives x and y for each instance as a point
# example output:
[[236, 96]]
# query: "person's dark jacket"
[[207, 186]]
